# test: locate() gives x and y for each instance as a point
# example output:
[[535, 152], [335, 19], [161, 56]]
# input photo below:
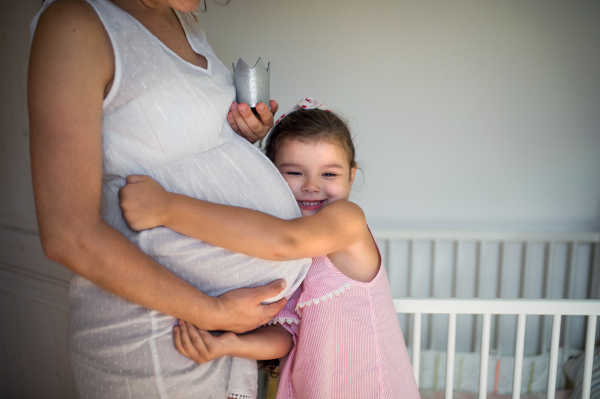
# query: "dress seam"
[[376, 339]]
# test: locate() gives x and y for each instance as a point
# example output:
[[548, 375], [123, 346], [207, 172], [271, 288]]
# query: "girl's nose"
[[310, 186]]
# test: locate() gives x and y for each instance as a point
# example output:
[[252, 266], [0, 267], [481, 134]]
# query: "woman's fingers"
[[274, 107], [269, 291], [266, 116], [244, 305], [233, 123], [255, 124], [240, 121], [247, 124]]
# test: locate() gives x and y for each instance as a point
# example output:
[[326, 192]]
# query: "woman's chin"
[[184, 5]]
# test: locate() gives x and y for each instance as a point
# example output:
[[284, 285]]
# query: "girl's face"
[[318, 173]]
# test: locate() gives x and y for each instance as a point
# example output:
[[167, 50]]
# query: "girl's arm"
[[265, 343], [71, 68], [146, 204]]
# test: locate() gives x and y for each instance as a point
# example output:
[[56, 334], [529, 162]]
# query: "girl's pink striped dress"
[[347, 339]]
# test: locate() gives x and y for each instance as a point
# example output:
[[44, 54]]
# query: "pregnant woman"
[[132, 87]]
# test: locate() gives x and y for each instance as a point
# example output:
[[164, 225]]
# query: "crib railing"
[[495, 264], [488, 307]]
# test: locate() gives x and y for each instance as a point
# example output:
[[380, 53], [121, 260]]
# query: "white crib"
[[488, 307], [548, 275]]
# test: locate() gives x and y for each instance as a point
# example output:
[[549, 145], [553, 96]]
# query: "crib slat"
[[526, 271], [456, 267], [519, 347], [485, 355], [572, 268], [547, 291], [411, 251], [589, 354], [502, 274], [416, 346], [552, 370], [478, 291], [432, 293], [570, 294], [450, 355]]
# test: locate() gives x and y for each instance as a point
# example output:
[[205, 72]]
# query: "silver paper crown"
[[252, 85]]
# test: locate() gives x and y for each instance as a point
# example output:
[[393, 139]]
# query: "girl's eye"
[[329, 174], [293, 173]]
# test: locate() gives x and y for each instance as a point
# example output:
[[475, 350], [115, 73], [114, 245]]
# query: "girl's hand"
[[246, 124], [201, 346], [145, 204]]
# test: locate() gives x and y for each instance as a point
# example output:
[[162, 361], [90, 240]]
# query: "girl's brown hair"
[[311, 125]]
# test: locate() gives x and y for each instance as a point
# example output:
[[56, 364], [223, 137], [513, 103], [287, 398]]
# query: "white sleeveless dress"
[[166, 118]]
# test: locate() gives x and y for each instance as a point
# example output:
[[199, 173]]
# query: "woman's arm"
[[265, 343], [146, 204], [71, 68]]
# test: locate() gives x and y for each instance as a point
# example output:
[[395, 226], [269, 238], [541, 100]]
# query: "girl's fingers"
[[208, 340], [196, 340], [132, 179], [177, 340], [189, 349]]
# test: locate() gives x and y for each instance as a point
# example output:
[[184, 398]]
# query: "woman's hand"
[[145, 204], [241, 310], [246, 124], [201, 346]]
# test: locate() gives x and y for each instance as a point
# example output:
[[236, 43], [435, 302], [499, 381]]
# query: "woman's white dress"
[[166, 118]]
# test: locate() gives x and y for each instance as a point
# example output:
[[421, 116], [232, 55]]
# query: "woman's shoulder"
[[71, 21], [69, 12], [71, 33]]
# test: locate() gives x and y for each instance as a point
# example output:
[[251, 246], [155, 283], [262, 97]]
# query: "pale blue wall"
[[468, 114]]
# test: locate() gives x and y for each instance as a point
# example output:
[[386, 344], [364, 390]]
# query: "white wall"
[[468, 114]]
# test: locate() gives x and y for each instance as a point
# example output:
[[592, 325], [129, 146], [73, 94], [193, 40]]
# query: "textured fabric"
[[347, 339], [574, 368], [166, 118]]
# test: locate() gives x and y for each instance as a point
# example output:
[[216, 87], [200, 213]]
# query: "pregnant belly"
[[215, 270], [234, 173]]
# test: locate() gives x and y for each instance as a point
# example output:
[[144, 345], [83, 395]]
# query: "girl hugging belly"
[[338, 334]]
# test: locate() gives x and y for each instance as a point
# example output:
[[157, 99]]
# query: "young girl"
[[340, 329]]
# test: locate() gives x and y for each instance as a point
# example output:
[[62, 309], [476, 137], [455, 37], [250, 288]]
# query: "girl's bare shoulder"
[[346, 209], [359, 261]]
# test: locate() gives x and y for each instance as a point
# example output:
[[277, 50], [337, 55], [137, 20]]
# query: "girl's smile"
[[311, 205], [317, 172]]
